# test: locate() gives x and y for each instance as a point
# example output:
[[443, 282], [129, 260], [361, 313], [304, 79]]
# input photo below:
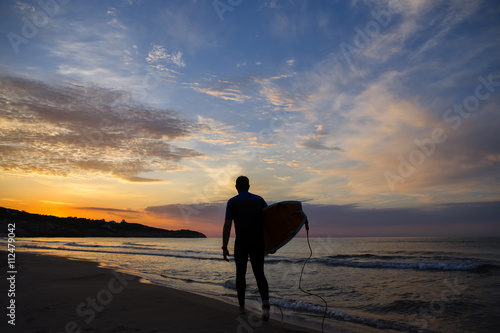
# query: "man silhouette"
[[246, 211]]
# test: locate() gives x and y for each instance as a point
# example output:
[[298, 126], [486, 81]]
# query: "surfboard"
[[282, 221]]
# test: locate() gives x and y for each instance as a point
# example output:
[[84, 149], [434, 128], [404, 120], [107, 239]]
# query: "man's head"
[[242, 184]]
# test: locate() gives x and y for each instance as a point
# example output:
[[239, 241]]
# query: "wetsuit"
[[246, 211]]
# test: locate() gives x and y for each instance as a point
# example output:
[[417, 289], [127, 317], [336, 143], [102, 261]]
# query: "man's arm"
[[226, 233]]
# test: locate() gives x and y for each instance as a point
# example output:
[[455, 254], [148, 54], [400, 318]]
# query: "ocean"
[[401, 284]]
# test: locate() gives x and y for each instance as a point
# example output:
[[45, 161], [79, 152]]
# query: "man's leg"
[[241, 259], [257, 261]]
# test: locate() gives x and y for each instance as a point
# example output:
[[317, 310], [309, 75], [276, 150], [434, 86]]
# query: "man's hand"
[[225, 252]]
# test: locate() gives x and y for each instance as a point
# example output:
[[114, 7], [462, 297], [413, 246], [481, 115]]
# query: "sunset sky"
[[382, 117]]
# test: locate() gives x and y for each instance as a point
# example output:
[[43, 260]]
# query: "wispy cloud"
[[159, 57], [216, 132], [109, 209], [318, 140], [456, 13], [289, 25], [182, 22], [407, 29], [97, 52], [65, 129], [226, 90], [275, 94], [315, 144]]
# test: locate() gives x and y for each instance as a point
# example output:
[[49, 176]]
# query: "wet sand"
[[54, 294]]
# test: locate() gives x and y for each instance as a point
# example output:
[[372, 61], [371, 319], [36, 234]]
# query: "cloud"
[[376, 118], [106, 51], [290, 24], [77, 129], [271, 4], [317, 141], [314, 144], [117, 212], [57, 203], [137, 179], [203, 211], [158, 55], [98, 50], [384, 129], [447, 219], [276, 96], [185, 25], [226, 90], [456, 13], [108, 209], [205, 217], [217, 133], [408, 29]]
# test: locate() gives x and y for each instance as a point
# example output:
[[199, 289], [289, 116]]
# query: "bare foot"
[[241, 310], [265, 314]]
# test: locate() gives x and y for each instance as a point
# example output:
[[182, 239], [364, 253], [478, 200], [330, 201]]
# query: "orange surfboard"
[[282, 221]]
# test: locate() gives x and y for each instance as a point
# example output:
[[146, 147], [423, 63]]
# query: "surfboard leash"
[[300, 285], [302, 272]]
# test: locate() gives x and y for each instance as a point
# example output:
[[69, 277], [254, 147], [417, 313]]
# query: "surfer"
[[246, 211]]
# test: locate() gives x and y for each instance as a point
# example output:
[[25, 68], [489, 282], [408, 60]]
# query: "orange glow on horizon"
[[64, 210]]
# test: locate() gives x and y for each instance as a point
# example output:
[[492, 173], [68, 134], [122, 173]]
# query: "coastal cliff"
[[35, 225]]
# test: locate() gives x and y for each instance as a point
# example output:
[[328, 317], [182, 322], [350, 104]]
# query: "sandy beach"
[[54, 294]]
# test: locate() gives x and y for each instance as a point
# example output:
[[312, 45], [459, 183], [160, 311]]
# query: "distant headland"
[[35, 225]]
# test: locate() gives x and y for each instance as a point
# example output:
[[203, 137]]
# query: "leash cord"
[[302, 272], [300, 284]]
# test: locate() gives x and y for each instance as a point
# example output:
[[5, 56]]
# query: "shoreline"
[[60, 294]]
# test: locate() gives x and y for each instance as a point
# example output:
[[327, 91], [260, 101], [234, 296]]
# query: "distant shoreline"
[[36, 225]]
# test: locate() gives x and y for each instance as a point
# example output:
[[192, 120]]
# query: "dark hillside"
[[34, 225]]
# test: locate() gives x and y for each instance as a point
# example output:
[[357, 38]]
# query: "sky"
[[381, 117]]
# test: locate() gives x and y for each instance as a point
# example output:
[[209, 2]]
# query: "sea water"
[[403, 284]]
